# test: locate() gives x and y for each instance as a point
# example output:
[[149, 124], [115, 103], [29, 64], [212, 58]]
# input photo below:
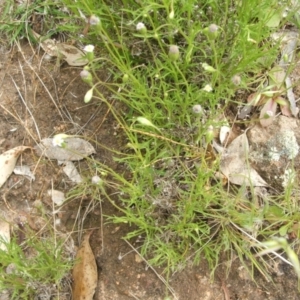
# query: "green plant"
[[34, 267], [46, 15], [167, 58]]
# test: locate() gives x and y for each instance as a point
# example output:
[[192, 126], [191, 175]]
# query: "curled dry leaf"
[[8, 161], [72, 55], [75, 149], [85, 272], [235, 166]]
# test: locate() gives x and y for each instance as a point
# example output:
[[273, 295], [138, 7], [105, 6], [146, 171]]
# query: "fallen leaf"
[[72, 55], [57, 197], [4, 234], [25, 171], [8, 161], [71, 171], [75, 149], [235, 166], [85, 272]]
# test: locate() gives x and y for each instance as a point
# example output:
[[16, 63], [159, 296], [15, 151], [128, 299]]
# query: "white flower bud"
[[197, 109], [89, 95], [174, 52], [171, 14], [236, 80], [86, 76]]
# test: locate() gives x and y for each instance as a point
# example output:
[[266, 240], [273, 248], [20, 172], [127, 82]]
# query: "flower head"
[[236, 80], [94, 20], [89, 48], [86, 76], [212, 31], [59, 140], [174, 52], [213, 28], [141, 28], [208, 88], [96, 179], [197, 109]]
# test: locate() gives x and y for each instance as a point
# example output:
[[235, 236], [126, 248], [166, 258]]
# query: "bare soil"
[[38, 102]]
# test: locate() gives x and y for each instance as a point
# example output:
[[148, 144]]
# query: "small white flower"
[[236, 79], [213, 28], [140, 26], [59, 140], [197, 109], [96, 179], [89, 48], [94, 20], [208, 88]]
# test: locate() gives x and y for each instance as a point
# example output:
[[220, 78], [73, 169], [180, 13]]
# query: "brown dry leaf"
[[8, 161], [85, 272]]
